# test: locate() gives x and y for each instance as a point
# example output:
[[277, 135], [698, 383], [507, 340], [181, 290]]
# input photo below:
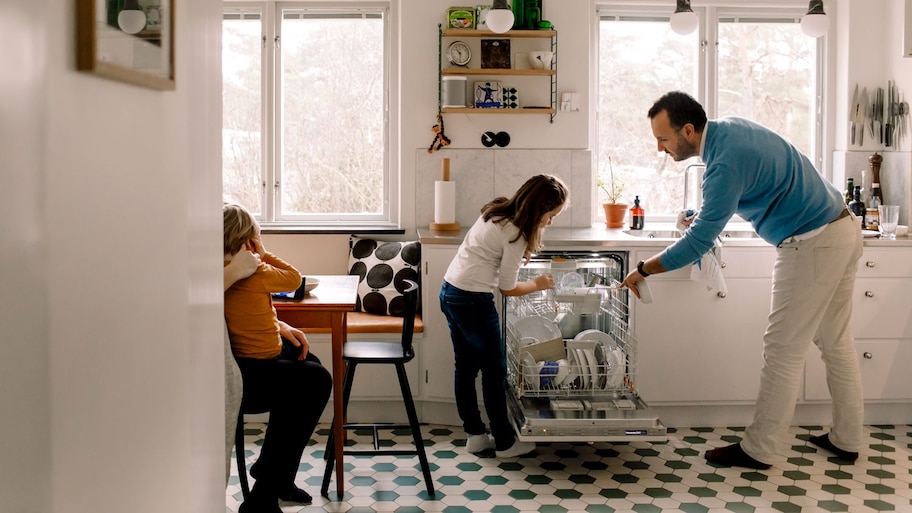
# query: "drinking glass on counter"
[[888, 218]]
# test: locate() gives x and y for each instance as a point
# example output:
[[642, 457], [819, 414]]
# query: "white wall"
[[110, 285], [869, 53]]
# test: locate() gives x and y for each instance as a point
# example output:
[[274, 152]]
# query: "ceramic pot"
[[615, 213]]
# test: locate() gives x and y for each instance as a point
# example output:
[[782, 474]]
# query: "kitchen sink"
[[675, 234]]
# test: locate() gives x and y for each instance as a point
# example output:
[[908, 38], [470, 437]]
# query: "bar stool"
[[389, 353]]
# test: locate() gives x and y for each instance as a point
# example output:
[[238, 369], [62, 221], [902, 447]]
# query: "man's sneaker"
[[479, 443], [517, 449]]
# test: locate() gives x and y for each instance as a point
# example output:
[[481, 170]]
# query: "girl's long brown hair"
[[528, 206]]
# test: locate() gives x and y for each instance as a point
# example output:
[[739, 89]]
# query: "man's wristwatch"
[[640, 268]]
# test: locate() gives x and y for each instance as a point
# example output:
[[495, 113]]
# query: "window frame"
[[271, 16], [710, 16]]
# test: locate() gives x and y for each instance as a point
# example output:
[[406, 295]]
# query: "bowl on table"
[[310, 284]]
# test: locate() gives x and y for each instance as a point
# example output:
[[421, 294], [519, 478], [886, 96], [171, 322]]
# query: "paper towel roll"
[[444, 202]]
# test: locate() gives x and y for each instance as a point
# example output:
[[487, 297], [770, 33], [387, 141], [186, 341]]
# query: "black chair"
[[239, 447], [394, 353]]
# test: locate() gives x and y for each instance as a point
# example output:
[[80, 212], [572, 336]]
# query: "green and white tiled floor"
[[603, 477]]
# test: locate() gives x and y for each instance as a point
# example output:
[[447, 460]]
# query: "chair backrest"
[[410, 294]]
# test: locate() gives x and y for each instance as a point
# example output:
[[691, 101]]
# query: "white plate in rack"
[[573, 378], [593, 368], [583, 365], [615, 364], [597, 336], [537, 327]]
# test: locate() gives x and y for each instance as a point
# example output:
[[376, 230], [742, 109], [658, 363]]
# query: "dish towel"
[[707, 269]]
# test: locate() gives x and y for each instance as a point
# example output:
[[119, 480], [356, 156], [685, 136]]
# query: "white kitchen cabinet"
[[437, 349], [698, 346], [882, 328]]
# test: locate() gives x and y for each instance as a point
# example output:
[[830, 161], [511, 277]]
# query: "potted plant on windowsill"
[[615, 212]]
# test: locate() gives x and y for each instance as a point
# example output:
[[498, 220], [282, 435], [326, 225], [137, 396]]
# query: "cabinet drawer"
[[884, 366], [736, 263], [883, 262], [881, 308]]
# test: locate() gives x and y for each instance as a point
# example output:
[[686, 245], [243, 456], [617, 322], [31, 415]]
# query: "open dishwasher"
[[571, 359]]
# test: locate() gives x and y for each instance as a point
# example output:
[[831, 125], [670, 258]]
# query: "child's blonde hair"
[[240, 227]]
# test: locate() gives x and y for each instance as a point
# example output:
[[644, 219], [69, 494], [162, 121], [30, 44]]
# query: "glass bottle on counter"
[[872, 216], [856, 206], [850, 190], [637, 215]]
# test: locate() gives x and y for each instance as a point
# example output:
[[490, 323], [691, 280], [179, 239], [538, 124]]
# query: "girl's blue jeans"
[[477, 346]]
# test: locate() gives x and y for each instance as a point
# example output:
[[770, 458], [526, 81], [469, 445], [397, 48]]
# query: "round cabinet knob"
[[722, 265], [868, 356], [871, 264], [721, 294], [869, 293]]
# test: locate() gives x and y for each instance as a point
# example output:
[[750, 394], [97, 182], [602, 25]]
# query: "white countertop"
[[598, 235]]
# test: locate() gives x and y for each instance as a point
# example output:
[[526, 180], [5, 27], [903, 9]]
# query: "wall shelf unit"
[[446, 36]]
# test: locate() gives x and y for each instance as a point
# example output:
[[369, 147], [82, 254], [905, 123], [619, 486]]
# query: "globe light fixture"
[[815, 22], [500, 17], [684, 21], [131, 18]]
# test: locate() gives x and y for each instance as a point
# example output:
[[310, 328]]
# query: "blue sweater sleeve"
[[755, 173]]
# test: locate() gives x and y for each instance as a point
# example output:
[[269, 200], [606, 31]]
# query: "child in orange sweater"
[[280, 374]]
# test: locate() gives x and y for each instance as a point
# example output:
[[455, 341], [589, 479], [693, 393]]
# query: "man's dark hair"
[[682, 109]]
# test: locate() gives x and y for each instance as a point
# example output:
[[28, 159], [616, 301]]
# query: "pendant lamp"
[[684, 21], [500, 17], [815, 22], [131, 18]]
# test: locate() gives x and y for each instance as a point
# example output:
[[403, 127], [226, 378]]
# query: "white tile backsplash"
[[481, 175]]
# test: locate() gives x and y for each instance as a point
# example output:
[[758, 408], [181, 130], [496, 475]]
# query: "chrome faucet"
[[696, 195]]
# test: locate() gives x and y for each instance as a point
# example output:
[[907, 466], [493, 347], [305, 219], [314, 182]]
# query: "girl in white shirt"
[[501, 240]]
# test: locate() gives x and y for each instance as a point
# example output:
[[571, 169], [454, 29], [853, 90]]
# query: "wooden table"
[[326, 307]]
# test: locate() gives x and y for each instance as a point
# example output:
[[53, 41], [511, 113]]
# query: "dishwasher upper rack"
[[585, 378]]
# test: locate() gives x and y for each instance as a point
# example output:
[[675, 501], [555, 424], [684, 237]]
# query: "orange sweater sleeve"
[[253, 325]]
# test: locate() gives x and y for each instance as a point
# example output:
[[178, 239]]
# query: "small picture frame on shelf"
[[481, 13], [488, 95], [495, 53], [460, 17], [510, 97]]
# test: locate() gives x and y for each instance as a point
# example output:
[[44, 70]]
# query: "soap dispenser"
[[636, 215]]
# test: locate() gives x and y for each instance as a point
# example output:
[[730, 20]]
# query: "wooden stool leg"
[[330, 453]]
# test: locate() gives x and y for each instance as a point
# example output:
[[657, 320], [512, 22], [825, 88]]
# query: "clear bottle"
[[637, 215], [876, 195], [850, 189], [856, 206], [872, 216]]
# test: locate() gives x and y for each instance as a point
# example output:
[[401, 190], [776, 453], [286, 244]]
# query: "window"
[[756, 64], [305, 114]]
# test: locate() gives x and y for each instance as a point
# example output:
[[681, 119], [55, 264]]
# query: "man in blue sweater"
[[755, 173]]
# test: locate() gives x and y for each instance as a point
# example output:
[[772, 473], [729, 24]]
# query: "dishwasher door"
[[571, 359]]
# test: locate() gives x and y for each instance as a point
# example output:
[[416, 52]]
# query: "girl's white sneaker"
[[517, 449], [479, 443]]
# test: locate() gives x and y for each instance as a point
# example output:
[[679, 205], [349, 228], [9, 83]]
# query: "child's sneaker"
[[517, 449], [479, 443]]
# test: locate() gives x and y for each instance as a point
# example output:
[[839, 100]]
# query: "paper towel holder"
[[446, 227]]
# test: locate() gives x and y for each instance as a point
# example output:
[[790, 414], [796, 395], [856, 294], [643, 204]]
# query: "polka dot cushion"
[[382, 267]]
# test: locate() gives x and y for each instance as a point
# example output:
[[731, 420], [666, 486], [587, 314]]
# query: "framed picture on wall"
[[495, 53], [121, 40]]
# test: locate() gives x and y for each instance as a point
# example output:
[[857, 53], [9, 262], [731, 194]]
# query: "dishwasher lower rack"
[[590, 398], [593, 363]]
